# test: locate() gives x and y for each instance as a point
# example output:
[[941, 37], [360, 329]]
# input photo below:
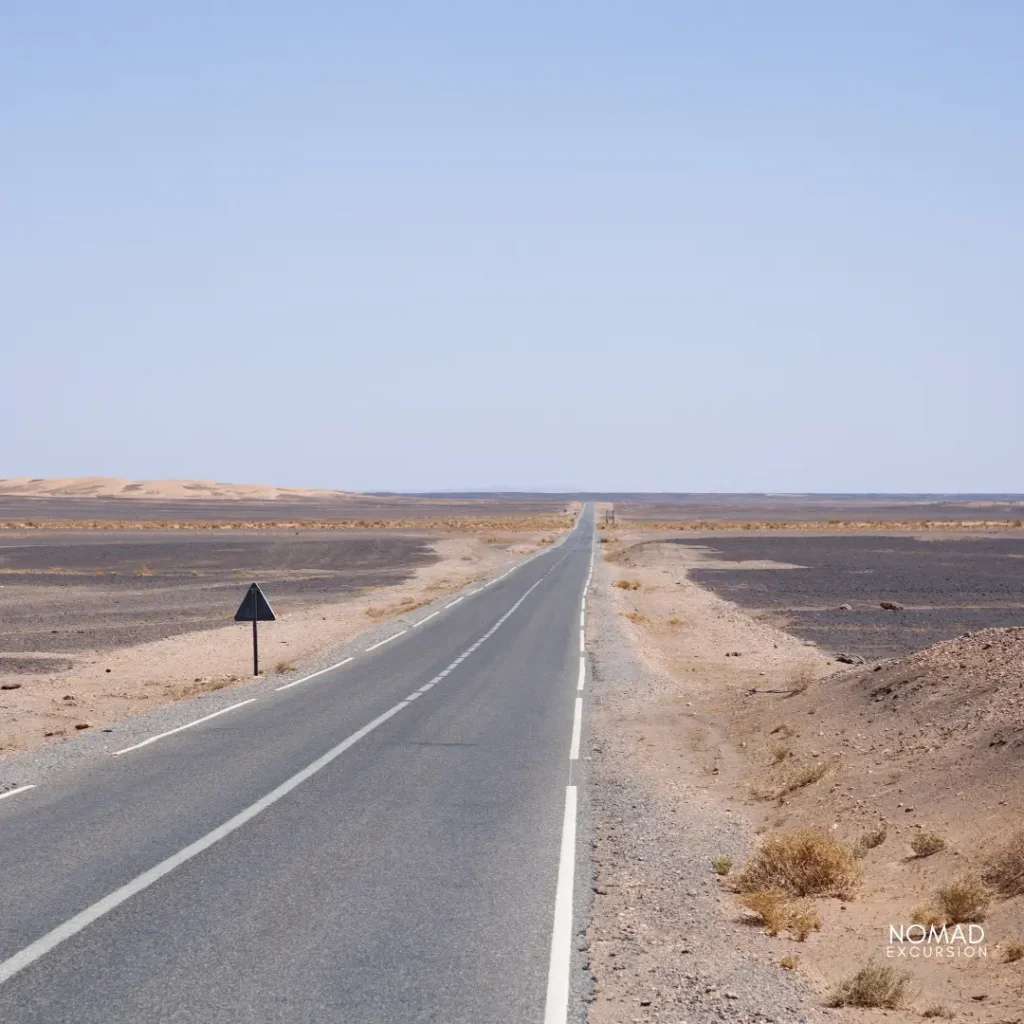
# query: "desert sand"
[[112, 487], [772, 730]]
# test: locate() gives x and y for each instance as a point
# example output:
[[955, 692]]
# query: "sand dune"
[[111, 487]]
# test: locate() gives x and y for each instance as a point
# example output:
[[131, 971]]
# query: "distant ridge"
[[112, 487]]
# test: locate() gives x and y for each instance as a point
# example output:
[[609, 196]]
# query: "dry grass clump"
[[804, 862], [924, 844], [874, 986], [635, 616], [797, 778], [283, 667], [721, 865], [627, 584], [799, 682], [780, 753], [778, 913], [965, 900], [1014, 951], [789, 963], [1004, 870], [869, 840], [938, 1010]]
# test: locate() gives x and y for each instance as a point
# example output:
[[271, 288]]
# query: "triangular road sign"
[[255, 607]]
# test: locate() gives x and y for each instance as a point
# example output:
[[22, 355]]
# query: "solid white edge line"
[[577, 723], [14, 792], [32, 952], [583, 673], [556, 1003], [306, 679], [181, 728], [426, 618], [386, 640]]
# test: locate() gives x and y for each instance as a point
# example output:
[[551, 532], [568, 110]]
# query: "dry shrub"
[[797, 778], [875, 985], [675, 621], [799, 682], [928, 916], [778, 913], [938, 1010], [635, 616], [1004, 870], [804, 862], [789, 963], [627, 584], [805, 776], [771, 908], [722, 865], [869, 840], [965, 900], [284, 666], [803, 921], [924, 844], [780, 753], [1014, 951]]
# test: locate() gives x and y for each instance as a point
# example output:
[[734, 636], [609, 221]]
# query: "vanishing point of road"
[[390, 840]]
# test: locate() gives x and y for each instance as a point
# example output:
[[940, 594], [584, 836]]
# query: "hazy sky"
[[659, 246]]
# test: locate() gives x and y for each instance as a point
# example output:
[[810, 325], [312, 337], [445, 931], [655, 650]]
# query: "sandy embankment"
[[740, 710], [105, 687]]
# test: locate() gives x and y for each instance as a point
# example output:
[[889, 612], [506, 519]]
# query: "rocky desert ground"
[[766, 811]]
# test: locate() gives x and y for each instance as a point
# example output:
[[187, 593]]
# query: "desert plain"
[[818, 684]]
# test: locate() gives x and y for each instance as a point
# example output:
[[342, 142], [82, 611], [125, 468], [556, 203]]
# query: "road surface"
[[392, 840]]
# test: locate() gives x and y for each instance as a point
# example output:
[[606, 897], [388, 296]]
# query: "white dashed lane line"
[[388, 639], [182, 728], [22, 959], [15, 792], [306, 679]]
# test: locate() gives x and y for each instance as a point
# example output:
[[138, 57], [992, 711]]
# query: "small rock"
[[82, 725], [11, 686], [890, 606], [850, 659], [109, 670], [846, 607]]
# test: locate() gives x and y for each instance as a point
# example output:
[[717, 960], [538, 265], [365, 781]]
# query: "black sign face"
[[255, 607]]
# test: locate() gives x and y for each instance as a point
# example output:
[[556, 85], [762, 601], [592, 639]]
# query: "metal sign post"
[[255, 608]]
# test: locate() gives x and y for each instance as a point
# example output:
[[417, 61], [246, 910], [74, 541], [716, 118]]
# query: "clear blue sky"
[[659, 246]]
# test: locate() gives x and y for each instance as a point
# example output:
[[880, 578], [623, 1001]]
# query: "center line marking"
[[171, 732], [426, 618], [32, 952], [386, 640], [583, 673], [455, 602]]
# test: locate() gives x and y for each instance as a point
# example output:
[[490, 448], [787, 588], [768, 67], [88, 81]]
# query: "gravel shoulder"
[[665, 942]]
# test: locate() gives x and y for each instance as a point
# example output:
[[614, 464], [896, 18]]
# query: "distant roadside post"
[[255, 608]]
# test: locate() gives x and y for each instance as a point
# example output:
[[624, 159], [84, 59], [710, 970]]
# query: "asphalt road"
[[390, 841]]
